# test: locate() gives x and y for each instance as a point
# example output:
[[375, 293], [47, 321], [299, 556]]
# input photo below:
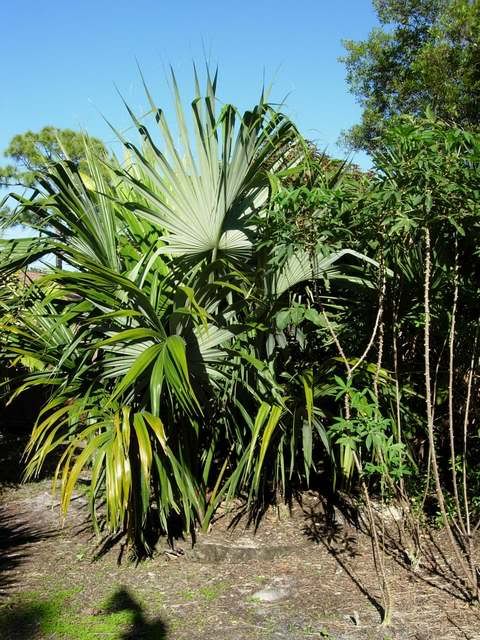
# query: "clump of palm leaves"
[[156, 341]]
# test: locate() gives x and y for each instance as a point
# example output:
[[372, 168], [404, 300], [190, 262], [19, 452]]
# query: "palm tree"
[[151, 339]]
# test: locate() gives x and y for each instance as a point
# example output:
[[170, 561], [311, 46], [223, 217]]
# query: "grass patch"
[[208, 593], [213, 591], [31, 616]]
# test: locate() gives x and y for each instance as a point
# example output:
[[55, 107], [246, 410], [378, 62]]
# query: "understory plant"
[[156, 341], [428, 189]]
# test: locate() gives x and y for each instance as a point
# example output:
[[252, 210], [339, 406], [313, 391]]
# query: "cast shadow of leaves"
[[17, 537], [140, 627]]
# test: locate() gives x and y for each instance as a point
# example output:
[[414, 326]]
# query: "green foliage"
[[32, 152], [238, 316], [366, 438], [58, 615], [424, 55], [429, 180], [32, 155], [157, 342]]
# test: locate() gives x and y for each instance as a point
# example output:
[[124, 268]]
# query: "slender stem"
[[469, 532], [337, 343], [371, 341], [397, 385], [451, 364], [376, 547], [381, 328], [429, 411], [351, 369], [465, 433]]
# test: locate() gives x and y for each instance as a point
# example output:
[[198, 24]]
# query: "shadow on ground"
[[40, 619], [17, 538], [331, 524], [23, 621], [140, 627]]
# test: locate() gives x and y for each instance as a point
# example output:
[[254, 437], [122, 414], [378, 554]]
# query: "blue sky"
[[63, 59]]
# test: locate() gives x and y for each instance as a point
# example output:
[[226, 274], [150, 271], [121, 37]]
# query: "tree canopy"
[[425, 54], [31, 152]]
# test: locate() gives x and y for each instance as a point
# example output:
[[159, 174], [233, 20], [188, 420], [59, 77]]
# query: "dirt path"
[[288, 582]]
